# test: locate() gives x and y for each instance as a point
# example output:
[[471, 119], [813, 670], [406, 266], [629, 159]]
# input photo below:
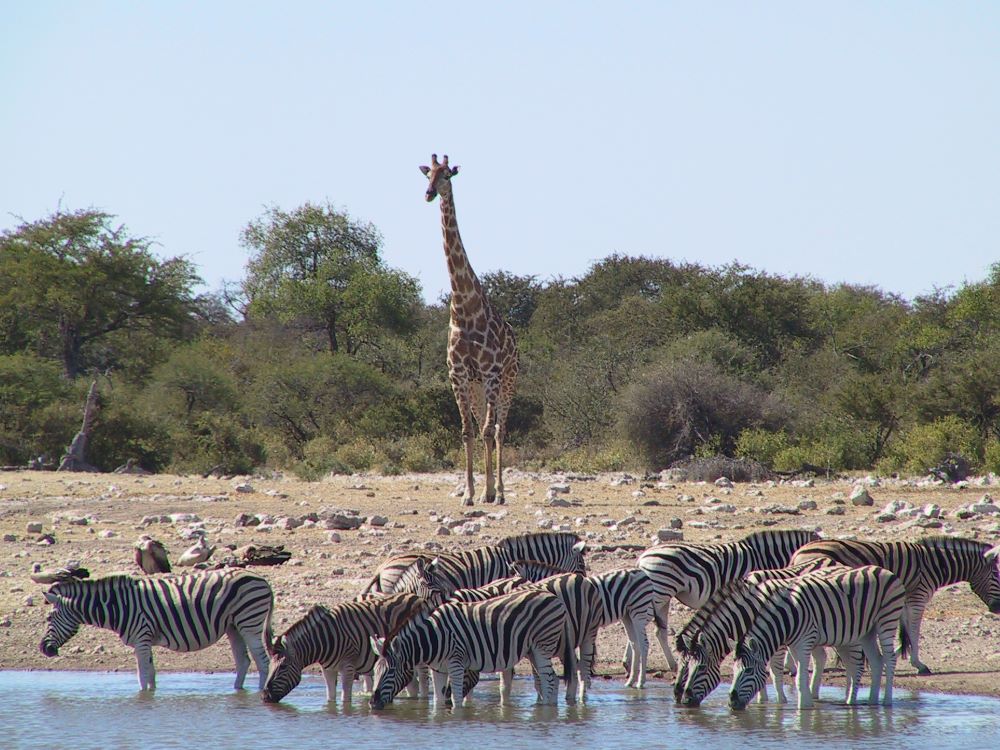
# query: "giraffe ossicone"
[[482, 352]]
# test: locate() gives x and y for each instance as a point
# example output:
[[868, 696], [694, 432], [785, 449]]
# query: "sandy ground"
[[96, 518]]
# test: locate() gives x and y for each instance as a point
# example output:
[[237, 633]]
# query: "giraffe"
[[482, 353]]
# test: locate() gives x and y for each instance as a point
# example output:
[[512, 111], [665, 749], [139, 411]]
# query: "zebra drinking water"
[[714, 630], [338, 639], [489, 636], [182, 613], [691, 572], [857, 607], [923, 566]]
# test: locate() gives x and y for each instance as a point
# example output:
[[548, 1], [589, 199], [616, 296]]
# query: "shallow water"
[[105, 710]]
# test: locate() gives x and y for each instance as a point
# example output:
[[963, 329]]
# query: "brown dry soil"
[[96, 518]]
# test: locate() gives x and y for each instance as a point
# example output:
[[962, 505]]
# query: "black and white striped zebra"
[[854, 607], [338, 639], [627, 596], [470, 569], [690, 572], [923, 566], [182, 613], [489, 636], [522, 573], [715, 629]]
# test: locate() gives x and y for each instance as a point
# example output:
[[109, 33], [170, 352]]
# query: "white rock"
[[860, 496], [108, 534], [34, 527], [559, 488], [668, 535], [545, 523], [243, 487], [807, 505], [723, 482], [721, 508], [442, 531]]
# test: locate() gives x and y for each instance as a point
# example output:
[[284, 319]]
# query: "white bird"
[[151, 555], [199, 553]]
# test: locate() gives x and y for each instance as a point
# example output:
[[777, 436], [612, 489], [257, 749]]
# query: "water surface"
[[81, 711]]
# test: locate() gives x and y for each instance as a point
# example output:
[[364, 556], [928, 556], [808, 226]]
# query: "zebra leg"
[[662, 617], [330, 677], [548, 682], [239, 649], [254, 641], [456, 675], [347, 683], [870, 647], [849, 657], [585, 665], [914, 613], [145, 670], [424, 681], [367, 682], [777, 666], [887, 647], [819, 664], [506, 683], [440, 680], [802, 651]]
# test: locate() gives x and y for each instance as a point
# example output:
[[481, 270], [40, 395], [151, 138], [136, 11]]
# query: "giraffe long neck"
[[464, 282]]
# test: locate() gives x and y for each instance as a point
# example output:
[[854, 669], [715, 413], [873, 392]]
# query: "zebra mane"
[[687, 638], [952, 543], [512, 542], [537, 564], [62, 588]]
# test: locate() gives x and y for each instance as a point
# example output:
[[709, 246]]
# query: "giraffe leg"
[[463, 398], [489, 439], [503, 407]]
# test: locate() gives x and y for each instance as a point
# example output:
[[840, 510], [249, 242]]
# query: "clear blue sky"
[[855, 142]]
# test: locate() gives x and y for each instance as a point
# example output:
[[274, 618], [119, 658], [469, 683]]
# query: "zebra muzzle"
[[48, 649]]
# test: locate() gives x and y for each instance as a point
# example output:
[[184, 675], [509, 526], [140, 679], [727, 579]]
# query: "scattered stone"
[[443, 531], [34, 527], [558, 502], [377, 520], [288, 523], [341, 522], [559, 488], [176, 518], [622, 480], [685, 498], [836, 510], [333, 536], [668, 535], [545, 523], [860, 496], [806, 483], [721, 508], [885, 517], [10, 537], [676, 523], [246, 519], [108, 534], [29, 601], [45, 540], [723, 482], [243, 487]]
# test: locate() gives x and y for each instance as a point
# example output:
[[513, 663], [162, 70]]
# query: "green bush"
[[761, 445], [927, 445], [991, 456]]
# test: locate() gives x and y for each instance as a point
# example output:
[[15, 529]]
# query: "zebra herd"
[[460, 614]]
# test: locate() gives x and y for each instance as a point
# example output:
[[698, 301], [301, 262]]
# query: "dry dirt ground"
[[96, 518]]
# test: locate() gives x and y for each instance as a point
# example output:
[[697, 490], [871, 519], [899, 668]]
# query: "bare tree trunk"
[[73, 460]]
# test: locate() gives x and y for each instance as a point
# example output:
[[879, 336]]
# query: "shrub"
[[991, 456], [678, 407], [761, 445], [927, 445]]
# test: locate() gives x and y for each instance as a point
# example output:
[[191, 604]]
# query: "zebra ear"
[[378, 644], [515, 568], [992, 553], [50, 597], [580, 547]]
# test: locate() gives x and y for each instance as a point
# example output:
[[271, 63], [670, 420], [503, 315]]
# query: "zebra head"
[[427, 581], [704, 676], [63, 622], [751, 673], [284, 672], [986, 583], [392, 672]]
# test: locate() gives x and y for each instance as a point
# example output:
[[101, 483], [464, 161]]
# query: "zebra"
[[182, 613], [627, 596], [583, 605], [337, 639], [489, 636], [691, 572], [713, 630], [856, 607], [469, 569], [923, 566]]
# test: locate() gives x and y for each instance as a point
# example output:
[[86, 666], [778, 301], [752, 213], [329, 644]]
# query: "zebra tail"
[[373, 586], [568, 655], [904, 639], [268, 633]]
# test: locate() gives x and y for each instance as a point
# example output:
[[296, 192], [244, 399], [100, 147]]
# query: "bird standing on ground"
[[151, 556], [199, 553]]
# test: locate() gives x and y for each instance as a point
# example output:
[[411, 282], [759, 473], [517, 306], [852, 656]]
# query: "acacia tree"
[[317, 267], [75, 279]]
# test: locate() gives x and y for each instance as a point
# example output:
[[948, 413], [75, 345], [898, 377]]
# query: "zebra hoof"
[[924, 671]]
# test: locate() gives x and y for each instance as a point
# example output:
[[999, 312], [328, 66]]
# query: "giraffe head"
[[438, 175]]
